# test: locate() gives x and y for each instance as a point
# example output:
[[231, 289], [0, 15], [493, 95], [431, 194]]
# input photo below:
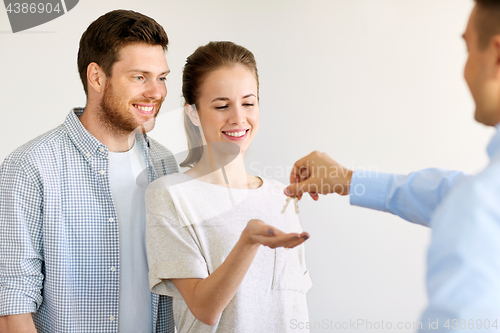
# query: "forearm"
[[413, 197], [210, 296], [22, 323]]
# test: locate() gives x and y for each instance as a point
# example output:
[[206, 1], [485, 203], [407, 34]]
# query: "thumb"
[[297, 189]]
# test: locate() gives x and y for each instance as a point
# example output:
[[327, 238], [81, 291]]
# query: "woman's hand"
[[207, 298], [257, 233]]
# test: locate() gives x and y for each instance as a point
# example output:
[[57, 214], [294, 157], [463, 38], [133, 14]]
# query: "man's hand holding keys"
[[317, 173]]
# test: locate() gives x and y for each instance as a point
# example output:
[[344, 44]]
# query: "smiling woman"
[[206, 226], [217, 59]]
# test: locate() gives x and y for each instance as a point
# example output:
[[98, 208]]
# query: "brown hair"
[[104, 38], [202, 62], [487, 21]]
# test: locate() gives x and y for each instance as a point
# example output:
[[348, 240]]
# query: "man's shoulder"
[[38, 147], [474, 196], [487, 180], [162, 157], [158, 149]]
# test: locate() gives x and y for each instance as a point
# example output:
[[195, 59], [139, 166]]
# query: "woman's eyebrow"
[[227, 99], [220, 99]]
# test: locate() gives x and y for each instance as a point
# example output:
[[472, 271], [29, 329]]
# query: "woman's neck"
[[222, 169]]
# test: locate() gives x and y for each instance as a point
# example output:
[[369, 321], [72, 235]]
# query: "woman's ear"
[[192, 114]]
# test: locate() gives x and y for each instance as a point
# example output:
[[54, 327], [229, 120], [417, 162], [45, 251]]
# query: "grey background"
[[374, 83]]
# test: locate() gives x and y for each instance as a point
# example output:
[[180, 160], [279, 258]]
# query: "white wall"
[[371, 82]]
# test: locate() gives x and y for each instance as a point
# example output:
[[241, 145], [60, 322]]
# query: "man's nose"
[[155, 91]]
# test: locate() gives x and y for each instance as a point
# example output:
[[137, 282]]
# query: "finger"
[[290, 244], [272, 241], [297, 243], [304, 162], [293, 244], [297, 189], [288, 240], [304, 172], [303, 237], [269, 240], [314, 196]]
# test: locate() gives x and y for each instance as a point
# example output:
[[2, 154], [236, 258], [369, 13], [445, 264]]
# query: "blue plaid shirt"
[[59, 240]]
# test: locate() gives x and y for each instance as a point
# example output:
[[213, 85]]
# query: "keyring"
[[295, 202]]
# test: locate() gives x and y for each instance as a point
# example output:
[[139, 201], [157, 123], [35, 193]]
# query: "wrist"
[[246, 240], [347, 184]]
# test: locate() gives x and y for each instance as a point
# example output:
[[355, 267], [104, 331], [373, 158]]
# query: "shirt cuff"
[[369, 189], [160, 275], [12, 303]]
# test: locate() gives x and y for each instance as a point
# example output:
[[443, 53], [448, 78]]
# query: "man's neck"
[[116, 142], [497, 126]]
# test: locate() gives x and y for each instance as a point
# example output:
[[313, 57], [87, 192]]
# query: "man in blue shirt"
[[463, 278], [72, 205]]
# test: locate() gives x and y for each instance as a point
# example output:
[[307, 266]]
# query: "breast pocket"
[[289, 273]]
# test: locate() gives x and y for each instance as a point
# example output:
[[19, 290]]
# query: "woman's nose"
[[237, 115]]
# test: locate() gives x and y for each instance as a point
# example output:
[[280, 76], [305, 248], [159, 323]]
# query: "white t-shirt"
[[192, 226], [128, 180]]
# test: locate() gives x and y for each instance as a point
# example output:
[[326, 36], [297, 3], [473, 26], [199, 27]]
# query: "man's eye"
[[163, 79], [138, 78], [221, 107], [248, 104]]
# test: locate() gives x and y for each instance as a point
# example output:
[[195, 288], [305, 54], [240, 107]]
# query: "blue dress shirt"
[[463, 278], [59, 234]]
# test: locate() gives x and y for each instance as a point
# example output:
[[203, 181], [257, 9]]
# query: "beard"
[[115, 115]]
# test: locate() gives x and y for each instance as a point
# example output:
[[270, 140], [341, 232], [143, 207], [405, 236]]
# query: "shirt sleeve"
[[413, 197], [463, 278], [21, 278], [171, 246]]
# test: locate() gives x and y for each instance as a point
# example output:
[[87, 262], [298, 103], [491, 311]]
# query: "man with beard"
[[72, 210]]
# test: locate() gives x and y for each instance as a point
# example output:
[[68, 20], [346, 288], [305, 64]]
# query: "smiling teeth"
[[236, 134], [144, 108]]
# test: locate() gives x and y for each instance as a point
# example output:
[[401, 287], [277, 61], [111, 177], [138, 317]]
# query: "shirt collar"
[[493, 148], [87, 144]]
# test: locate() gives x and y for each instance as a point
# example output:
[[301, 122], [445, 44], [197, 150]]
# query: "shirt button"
[[111, 219], [101, 172], [101, 149], [111, 318], [112, 269], [88, 154]]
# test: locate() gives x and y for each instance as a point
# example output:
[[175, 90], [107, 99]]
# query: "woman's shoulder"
[[164, 182], [161, 194]]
